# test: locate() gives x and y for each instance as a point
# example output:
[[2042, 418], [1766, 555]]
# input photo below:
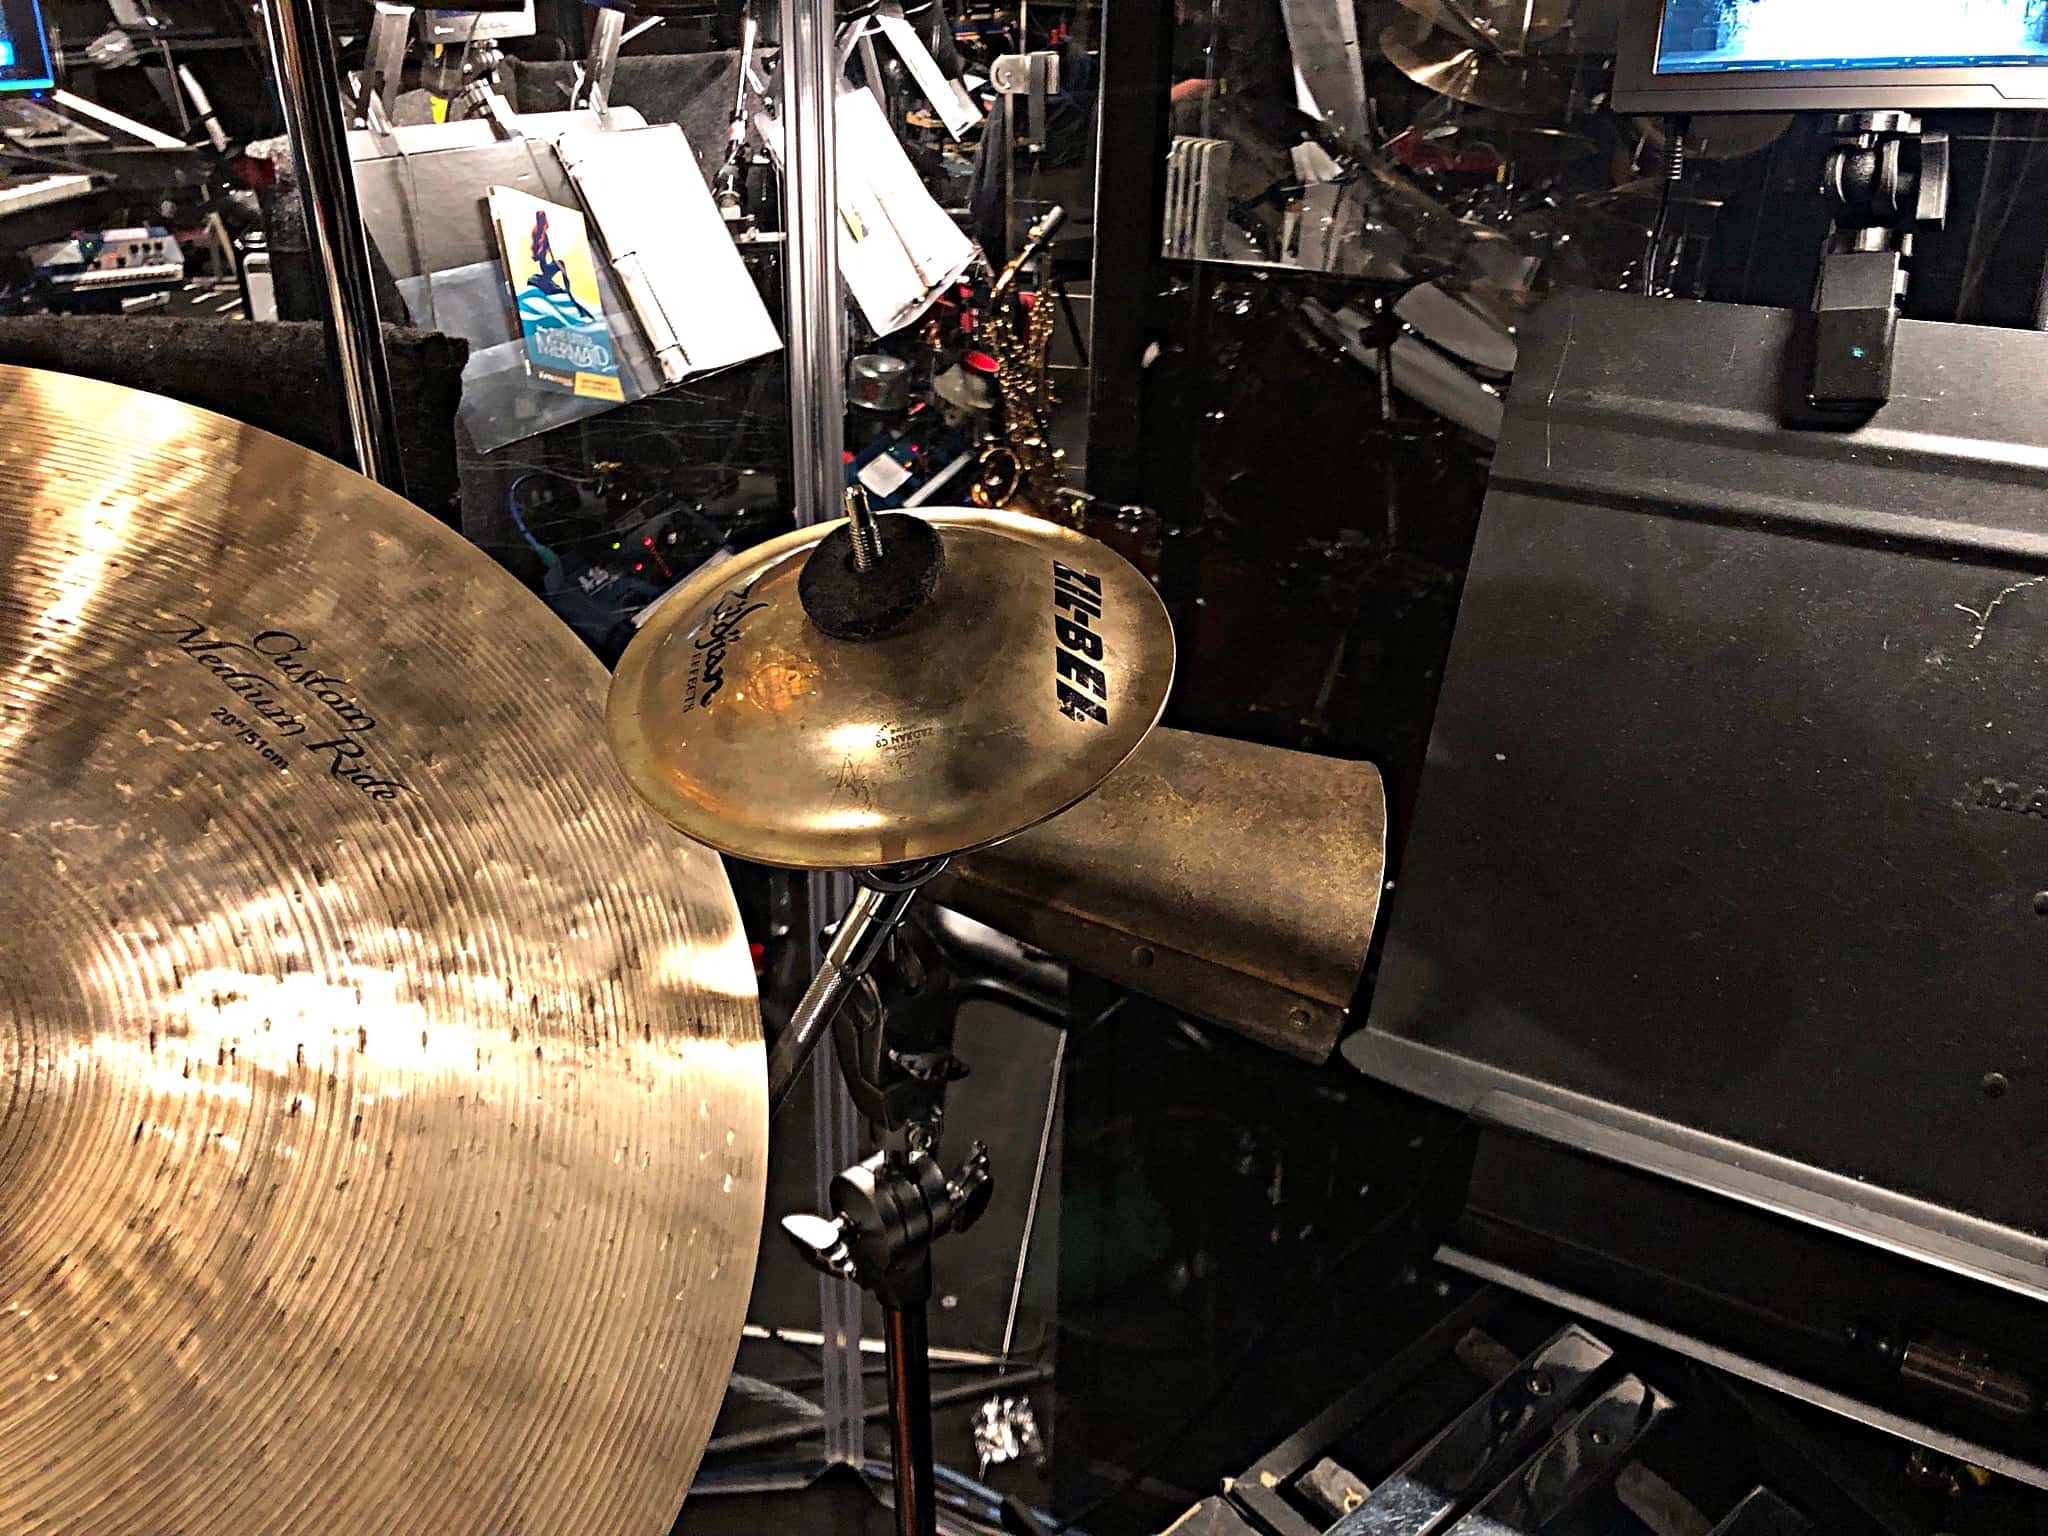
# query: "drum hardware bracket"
[[895, 1047], [887, 1211], [879, 905], [1035, 77], [1885, 178], [886, 1214]]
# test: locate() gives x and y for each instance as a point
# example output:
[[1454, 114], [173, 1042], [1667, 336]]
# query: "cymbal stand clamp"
[[883, 897], [886, 1214]]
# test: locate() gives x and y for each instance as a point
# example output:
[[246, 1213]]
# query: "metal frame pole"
[[814, 346], [814, 331], [309, 91]]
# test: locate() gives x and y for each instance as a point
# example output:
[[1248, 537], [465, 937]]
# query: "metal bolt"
[[2041, 903], [1994, 1085], [863, 528], [1142, 956], [1538, 1384]]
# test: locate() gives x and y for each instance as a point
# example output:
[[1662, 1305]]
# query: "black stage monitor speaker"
[[1730, 860]]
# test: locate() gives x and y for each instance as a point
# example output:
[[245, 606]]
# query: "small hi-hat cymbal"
[[1036, 665], [1467, 71], [383, 1136]]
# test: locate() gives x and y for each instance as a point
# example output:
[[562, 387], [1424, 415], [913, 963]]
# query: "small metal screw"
[[1142, 956], [2041, 903], [862, 529], [1538, 1384], [1299, 1017], [1600, 1437], [1994, 1085]]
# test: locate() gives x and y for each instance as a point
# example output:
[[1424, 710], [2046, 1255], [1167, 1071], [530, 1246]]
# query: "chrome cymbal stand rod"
[[309, 92], [883, 897], [886, 1213]]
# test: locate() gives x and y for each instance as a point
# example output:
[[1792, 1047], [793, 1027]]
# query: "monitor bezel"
[[1638, 87], [40, 37]]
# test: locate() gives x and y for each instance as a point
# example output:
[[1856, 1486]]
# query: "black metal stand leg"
[[1073, 320], [910, 1420]]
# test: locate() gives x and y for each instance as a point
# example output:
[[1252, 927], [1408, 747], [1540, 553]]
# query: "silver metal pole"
[[814, 346], [814, 332], [843, 1393], [869, 920], [607, 33], [309, 91], [1052, 1109]]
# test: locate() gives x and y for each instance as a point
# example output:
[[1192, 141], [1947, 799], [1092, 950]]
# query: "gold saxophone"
[[1022, 471]]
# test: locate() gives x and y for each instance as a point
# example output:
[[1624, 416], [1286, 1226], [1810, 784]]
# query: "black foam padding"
[[693, 90], [865, 605], [271, 375]]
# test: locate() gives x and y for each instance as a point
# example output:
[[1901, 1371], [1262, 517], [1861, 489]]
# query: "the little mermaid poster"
[[553, 280]]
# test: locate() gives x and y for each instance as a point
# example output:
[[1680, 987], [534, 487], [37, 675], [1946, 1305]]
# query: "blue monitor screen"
[[24, 49], [1725, 36]]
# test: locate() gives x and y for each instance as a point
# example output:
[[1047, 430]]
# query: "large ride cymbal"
[[382, 1137], [1465, 71], [1040, 661]]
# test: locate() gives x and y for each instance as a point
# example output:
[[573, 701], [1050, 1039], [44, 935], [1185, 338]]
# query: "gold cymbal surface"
[[382, 1104], [1502, 25], [1040, 662], [1465, 71]]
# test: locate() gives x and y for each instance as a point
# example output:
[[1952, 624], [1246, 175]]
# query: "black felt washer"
[[865, 605]]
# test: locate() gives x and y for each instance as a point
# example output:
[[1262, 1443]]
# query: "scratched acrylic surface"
[[383, 1099]]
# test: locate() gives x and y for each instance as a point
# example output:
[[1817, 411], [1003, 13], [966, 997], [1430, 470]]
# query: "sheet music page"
[[689, 286], [898, 249], [955, 110]]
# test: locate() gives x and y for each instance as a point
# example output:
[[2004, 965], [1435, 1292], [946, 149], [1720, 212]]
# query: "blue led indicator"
[[1857, 352], [6, 54]]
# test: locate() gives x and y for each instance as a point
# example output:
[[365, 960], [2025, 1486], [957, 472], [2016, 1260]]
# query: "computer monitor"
[[24, 48], [1680, 56]]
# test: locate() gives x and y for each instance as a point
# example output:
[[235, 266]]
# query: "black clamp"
[[886, 1214], [1885, 179]]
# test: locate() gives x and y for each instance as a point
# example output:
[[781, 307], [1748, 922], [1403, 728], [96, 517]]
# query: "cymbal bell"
[[1039, 662], [383, 1143], [1467, 71]]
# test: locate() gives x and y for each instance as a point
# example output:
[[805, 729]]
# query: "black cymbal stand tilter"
[[893, 1038]]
